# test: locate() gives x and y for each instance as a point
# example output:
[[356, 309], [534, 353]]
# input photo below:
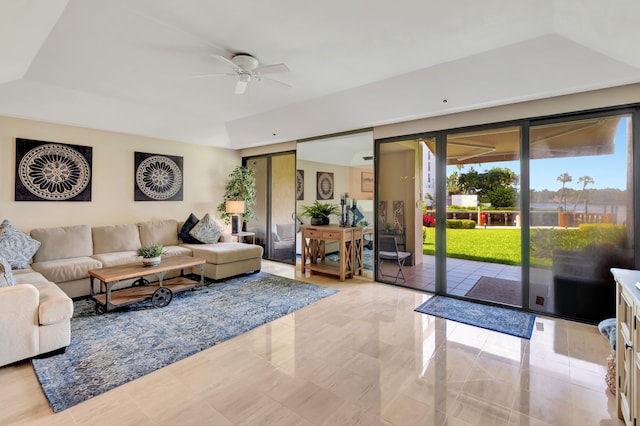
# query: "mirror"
[[326, 169]]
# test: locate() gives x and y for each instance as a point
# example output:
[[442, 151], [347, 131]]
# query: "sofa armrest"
[[19, 298], [226, 238], [18, 322]]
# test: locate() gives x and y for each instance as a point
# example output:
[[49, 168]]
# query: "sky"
[[608, 171]]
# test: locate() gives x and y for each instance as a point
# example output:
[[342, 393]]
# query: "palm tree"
[[585, 180], [564, 178]]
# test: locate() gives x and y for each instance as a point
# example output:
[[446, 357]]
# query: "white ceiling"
[[127, 65]]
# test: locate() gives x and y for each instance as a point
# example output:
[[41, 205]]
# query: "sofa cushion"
[[18, 272], [225, 252], [186, 228], [115, 238], [170, 251], [16, 246], [206, 230], [32, 277], [63, 242], [117, 258], [6, 277], [163, 232], [61, 270], [286, 231]]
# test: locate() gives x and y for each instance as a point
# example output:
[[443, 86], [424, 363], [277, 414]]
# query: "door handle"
[[627, 346]]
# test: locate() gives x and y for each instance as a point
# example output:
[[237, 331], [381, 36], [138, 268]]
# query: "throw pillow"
[[16, 246], [6, 277], [191, 221], [206, 230]]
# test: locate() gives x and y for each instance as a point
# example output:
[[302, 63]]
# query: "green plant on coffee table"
[[148, 252]]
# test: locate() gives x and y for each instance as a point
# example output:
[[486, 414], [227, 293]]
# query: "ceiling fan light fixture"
[[245, 62], [242, 83]]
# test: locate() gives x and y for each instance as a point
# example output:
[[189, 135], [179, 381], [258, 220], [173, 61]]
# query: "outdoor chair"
[[392, 257]]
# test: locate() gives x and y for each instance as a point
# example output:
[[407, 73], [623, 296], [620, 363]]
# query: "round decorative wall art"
[[299, 184], [51, 172], [324, 190], [158, 177]]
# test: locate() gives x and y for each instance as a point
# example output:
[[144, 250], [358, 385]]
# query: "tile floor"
[[360, 357], [462, 275]]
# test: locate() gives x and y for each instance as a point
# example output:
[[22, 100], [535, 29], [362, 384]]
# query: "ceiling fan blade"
[[226, 61], [274, 81], [272, 69], [232, 74]]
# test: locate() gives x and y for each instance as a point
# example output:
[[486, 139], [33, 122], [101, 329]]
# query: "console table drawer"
[[332, 235], [312, 232]]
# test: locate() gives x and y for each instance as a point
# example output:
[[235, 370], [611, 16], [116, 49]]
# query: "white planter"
[[151, 261]]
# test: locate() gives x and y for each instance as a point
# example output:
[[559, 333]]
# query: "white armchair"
[[35, 317]]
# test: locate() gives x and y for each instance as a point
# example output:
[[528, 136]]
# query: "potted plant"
[[151, 255], [320, 212], [240, 186]]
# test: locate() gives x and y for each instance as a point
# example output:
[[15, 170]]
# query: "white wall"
[[205, 173], [614, 96]]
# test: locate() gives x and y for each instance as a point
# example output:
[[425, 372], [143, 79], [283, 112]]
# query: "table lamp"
[[235, 208]]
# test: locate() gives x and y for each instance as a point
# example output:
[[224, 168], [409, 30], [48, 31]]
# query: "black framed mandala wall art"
[[324, 183], [158, 177], [50, 171]]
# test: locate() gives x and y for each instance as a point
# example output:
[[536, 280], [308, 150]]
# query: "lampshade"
[[234, 207]]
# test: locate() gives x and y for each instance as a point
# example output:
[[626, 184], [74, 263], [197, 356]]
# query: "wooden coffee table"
[[160, 293]]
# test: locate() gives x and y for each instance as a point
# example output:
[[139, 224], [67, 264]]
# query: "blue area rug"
[[508, 321], [109, 350], [367, 258]]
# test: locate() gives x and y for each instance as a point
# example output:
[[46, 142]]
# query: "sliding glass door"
[[405, 202], [532, 214], [483, 215], [581, 214], [274, 225]]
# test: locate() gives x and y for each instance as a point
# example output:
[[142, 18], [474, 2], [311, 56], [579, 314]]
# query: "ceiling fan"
[[247, 68]]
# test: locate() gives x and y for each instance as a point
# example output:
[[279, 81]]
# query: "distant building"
[[428, 174]]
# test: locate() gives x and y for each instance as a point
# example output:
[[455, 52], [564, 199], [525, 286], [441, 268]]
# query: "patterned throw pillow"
[[186, 228], [206, 230], [16, 246], [6, 277]]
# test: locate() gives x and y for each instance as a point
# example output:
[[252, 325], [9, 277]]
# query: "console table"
[[313, 250]]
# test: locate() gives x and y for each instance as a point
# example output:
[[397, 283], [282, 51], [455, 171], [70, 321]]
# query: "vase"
[[315, 221], [151, 261]]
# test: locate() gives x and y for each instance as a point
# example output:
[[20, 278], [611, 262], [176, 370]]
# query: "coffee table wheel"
[[100, 308], [140, 281], [161, 297]]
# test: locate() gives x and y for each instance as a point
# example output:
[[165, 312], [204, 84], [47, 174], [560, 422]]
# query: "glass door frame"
[[525, 125], [269, 198]]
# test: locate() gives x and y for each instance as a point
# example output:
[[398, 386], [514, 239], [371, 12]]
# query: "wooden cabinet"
[[627, 344]]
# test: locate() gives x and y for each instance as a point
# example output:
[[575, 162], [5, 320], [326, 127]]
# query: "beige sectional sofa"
[[68, 253], [35, 314]]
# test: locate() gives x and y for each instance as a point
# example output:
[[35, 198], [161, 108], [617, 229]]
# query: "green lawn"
[[495, 245]]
